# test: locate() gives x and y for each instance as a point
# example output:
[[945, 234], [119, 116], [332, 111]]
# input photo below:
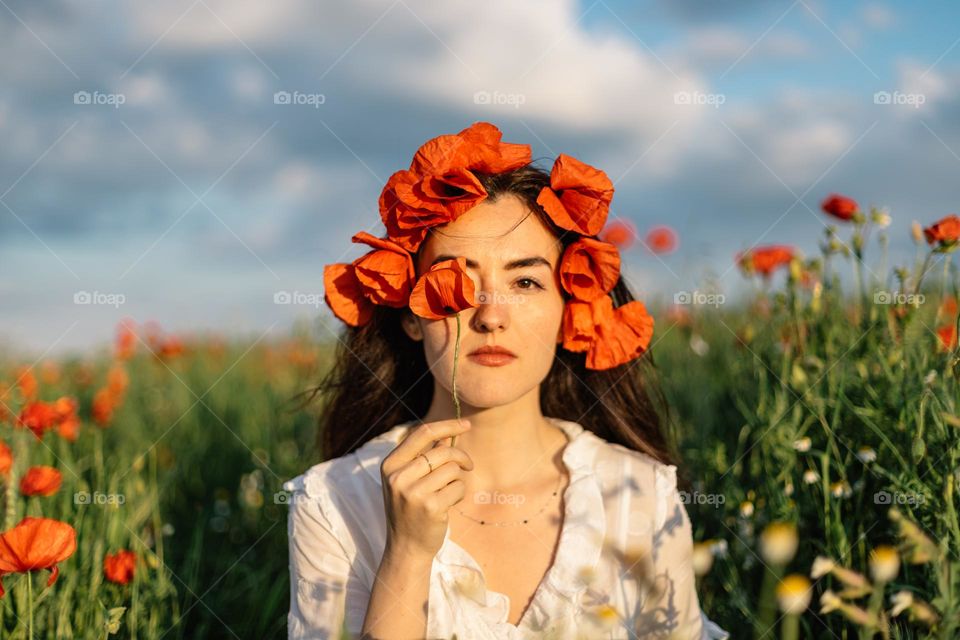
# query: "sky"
[[152, 167]]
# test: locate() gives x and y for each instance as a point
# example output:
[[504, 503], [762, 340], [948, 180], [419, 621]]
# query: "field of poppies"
[[820, 430]]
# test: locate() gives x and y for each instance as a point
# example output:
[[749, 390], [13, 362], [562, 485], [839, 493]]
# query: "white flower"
[[810, 476], [866, 454], [802, 445]]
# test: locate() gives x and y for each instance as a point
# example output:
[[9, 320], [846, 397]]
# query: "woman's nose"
[[492, 311]]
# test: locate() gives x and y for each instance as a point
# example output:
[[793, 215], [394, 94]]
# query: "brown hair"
[[380, 377]]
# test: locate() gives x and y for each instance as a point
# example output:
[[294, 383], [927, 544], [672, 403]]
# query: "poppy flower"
[[764, 260], [38, 416], [41, 480], [590, 268], [104, 404], [578, 198], [948, 337], [36, 543], [444, 290], [27, 382], [387, 273], [610, 337], [662, 239], [6, 458], [120, 566], [126, 340], [620, 233], [840, 207], [343, 293], [117, 380], [946, 231], [476, 148], [441, 184]]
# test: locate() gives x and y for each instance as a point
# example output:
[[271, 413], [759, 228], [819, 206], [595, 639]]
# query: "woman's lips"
[[492, 359]]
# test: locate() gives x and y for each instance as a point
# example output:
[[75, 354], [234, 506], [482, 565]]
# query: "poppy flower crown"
[[440, 186]]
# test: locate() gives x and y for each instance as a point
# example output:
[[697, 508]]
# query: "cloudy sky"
[[148, 164]]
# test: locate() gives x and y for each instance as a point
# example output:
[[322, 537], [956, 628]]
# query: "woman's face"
[[520, 307]]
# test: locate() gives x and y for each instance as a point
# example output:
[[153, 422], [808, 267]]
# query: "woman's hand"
[[416, 499]]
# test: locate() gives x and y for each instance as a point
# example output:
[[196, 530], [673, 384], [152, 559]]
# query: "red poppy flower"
[[344, 295], [120, 567], [662, 239], [27, 383], [610, 337], [620, 233], [126, 341], [41, 480], [444, 290], [36, 543], [840, 207], [578, 198], [948, 337], [6, 458], [38, 416], [946, 231], [764, 260], [386, 274], [441, 184], [589, 268]]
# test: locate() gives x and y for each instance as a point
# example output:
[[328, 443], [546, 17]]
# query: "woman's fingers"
[[421, 440]]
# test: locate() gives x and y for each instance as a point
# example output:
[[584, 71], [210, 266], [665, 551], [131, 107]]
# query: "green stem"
[[456, 359], [30, 604], [791, 627]]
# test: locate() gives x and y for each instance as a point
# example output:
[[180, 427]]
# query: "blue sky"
[[198, 197]]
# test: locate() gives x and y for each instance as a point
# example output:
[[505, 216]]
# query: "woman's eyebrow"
[[520, 263]]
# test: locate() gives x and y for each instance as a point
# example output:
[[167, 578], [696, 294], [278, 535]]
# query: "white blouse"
[[622, 518]]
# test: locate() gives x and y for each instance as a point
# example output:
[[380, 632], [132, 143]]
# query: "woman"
[[496, 466]]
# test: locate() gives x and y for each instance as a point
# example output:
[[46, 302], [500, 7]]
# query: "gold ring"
[[428, 461]]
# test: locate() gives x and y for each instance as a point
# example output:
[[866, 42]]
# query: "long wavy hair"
[[379, 377]]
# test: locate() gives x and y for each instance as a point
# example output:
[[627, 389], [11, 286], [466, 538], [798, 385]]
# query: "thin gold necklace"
[[525, 520]]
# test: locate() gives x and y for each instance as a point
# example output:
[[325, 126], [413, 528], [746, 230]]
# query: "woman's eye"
[[535, 283]]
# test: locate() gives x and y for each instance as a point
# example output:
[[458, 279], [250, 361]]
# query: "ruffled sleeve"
[[671, 607], [326, 592]]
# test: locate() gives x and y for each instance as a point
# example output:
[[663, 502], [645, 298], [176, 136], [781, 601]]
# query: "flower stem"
[[456, 359], [30, 604]]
